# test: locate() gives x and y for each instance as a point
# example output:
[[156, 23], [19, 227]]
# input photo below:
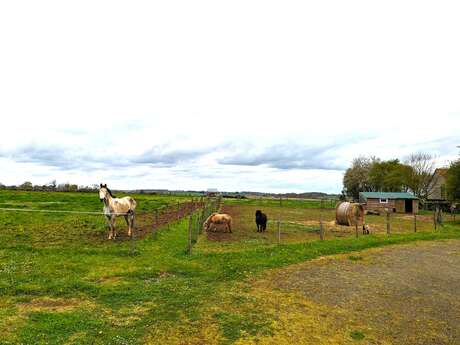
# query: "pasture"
[[63, 282]]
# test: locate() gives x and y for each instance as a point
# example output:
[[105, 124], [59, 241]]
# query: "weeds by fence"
[[197, 218]]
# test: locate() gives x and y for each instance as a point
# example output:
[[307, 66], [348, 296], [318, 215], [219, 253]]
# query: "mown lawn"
[[65, 285]]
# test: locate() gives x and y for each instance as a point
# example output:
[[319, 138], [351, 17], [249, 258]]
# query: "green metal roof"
[[387, 195]]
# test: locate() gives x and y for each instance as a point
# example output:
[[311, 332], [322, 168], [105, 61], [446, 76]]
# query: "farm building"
[[394, 202], [438, 185]]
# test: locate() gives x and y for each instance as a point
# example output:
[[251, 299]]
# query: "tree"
[[453, 181], [421, 178], [52, 185], [26, 186], [72, 187], [356, 178], [389, 176]]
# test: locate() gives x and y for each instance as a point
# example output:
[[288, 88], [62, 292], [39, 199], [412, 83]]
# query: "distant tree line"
[[51, 187]]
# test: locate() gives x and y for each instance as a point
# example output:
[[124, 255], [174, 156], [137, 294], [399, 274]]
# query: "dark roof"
[[386, 195]]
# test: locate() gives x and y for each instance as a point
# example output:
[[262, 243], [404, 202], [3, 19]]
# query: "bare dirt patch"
[[48, 304], [399, 295]]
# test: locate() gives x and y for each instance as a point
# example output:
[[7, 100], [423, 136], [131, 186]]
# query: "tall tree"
[[356, 178], [421, 178], [389, 176], [453, 181]]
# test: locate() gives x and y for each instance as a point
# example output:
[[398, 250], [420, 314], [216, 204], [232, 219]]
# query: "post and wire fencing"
[[289, 221], [198, 217], [297, 220], [51, 225]]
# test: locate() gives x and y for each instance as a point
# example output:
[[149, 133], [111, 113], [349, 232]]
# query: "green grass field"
[[62, 283]]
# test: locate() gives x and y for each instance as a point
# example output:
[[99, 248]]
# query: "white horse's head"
[[104, 191]]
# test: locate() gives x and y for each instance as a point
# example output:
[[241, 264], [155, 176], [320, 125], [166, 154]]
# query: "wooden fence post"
[[388, 221], [190, 224], [435, 219], [356, 229], [279, 223], [321, 233], [415, 222], [279, 231], [197, 225], [155, 222], [202, 219]]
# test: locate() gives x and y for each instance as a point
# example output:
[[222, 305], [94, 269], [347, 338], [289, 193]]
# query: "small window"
[[384, 200]]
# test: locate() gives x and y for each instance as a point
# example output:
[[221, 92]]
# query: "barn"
[[394, 202]]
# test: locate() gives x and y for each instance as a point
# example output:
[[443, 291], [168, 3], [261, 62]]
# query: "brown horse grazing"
[[115, 207], [218, 218]]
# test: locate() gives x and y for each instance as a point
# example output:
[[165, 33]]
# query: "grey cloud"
[[166, 156], [170, 155], [288, 156], [61, 157], [70, 158], [443, 146]]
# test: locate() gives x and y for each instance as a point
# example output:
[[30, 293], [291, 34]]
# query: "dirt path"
[[399, 295]]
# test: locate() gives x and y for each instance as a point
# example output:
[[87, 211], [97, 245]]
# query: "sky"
[[275, 96]]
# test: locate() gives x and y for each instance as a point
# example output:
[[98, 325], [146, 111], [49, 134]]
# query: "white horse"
[[114, 207]]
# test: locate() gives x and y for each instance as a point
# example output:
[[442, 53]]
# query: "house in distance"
[[438, 186], [394, 202], [212, 192]]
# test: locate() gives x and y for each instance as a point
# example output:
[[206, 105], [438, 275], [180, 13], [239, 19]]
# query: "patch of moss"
[[357, 335]]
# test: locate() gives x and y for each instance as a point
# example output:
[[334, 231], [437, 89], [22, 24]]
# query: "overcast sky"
[[237, 95]]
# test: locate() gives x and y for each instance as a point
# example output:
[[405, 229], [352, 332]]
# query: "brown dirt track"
[[396, 295]]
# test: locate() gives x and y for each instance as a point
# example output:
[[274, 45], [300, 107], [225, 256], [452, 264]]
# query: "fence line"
[[302, 222], [294, 226], [56, 211], [196, 219]]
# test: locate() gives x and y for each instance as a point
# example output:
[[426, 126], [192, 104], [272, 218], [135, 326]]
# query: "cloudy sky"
[[238, 95]]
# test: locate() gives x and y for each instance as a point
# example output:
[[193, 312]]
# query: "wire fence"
[[196, 220], [50, 226], [288, 221], [303, 222]]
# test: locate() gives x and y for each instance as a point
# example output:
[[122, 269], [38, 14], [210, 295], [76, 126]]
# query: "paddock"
[[62, 280]]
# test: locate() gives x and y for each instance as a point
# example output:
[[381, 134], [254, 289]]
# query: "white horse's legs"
[[112, 225], [130, 222], [109, 222]]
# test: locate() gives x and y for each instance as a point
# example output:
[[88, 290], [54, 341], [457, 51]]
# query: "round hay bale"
[[349, 214]]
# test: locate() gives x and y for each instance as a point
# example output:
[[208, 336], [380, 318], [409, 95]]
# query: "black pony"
[[261, 221]]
